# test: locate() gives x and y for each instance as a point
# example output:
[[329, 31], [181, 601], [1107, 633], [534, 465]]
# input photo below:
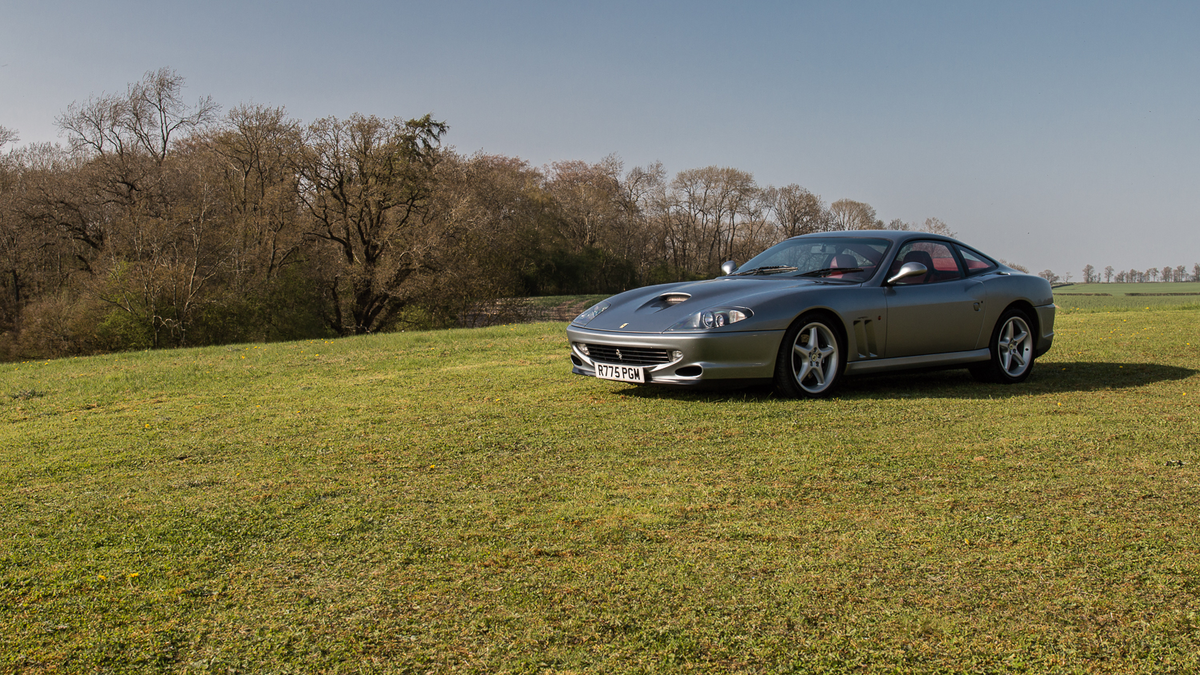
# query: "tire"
[[810, 362], [1010, 350]]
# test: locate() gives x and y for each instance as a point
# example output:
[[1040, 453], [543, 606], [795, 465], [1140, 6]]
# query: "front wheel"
[[809, 363], [1010, 357]]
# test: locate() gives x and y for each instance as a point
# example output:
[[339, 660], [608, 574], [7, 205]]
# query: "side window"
[[935, 256], [975, 262]]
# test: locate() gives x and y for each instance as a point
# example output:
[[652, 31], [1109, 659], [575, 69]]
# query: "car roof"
[[890, 235]]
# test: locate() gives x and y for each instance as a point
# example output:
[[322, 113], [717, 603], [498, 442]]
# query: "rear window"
[[974, 261]]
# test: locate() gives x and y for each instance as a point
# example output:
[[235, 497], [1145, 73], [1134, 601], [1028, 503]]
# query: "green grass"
[[457, 501], [1128, 297]]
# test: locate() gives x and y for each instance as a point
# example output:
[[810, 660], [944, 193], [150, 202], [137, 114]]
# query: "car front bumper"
[[678, 358]]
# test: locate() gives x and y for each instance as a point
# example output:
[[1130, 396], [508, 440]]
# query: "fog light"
[[582, 348], [676, 355]]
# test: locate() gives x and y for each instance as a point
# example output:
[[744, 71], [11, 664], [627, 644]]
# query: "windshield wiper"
[[767, 269], [831, 270]]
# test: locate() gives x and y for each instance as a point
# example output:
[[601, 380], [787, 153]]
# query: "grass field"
[[1128, 297], [458, 502]]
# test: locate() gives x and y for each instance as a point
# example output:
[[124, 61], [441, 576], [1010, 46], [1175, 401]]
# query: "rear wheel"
[[810, 363], [1010, 357]]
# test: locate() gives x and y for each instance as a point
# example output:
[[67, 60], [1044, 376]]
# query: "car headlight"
[[591, 313], [718, 317]]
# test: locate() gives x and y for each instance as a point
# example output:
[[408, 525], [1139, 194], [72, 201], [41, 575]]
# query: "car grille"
[[630, 356]]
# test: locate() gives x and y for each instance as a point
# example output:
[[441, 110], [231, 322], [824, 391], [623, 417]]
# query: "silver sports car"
[[814, 308]]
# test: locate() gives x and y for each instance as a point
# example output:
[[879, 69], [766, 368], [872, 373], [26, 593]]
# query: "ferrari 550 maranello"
[[815, 308]]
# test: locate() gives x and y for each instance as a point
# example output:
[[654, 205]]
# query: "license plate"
[[621, 373]]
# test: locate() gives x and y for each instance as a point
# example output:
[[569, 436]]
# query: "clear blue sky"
[[1052, 134]]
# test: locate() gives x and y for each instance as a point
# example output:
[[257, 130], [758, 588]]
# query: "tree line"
[[1110, 275], [165, 223]]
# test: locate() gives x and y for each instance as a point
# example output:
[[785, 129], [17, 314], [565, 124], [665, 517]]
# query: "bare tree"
[[1048, 275], [848, 214], [642, 185], [7, 136], [757, 230], [796, 211], [1015, 266], [708, 206], [365, 184], [265, 273], [588, 197], [125, 141], [482, 237], [648, 199], [36, 263], [937, 226], [147, 118], [1088, 273], [1108, 274]]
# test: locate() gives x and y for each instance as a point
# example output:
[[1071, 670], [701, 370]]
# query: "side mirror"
[[728, 267], [910, 269]]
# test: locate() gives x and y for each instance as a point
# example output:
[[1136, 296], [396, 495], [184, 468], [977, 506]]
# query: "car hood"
[[654, 309]]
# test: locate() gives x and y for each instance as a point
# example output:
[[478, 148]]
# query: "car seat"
[[842, 260]]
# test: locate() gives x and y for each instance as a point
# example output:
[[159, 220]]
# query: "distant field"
[[559, 300], [1125, 297], [559, 307], [459, 502]]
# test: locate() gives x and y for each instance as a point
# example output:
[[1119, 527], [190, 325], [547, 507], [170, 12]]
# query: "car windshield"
[[830, 258]]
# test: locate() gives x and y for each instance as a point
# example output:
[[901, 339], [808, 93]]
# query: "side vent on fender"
[[864, 338]]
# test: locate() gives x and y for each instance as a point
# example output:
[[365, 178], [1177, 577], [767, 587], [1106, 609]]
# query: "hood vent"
[[665, 301]]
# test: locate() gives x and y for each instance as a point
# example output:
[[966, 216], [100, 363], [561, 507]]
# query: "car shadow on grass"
[[1047, 378]]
